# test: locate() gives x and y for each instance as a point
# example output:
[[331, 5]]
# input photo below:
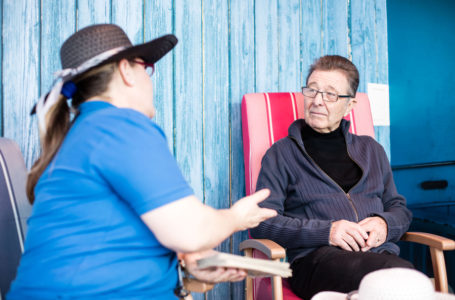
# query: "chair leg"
[[439, 270], [277, 288], [249, 280]]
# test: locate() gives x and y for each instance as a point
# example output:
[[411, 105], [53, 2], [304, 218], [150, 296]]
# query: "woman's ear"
[[351, 104], [126, 72]]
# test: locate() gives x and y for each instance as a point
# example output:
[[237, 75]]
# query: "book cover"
[[255, 267]]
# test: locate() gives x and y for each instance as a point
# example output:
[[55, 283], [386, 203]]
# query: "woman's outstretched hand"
[[210, 275], [247, 212]]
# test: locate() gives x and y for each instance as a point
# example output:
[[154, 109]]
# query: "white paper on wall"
[[379, 101]]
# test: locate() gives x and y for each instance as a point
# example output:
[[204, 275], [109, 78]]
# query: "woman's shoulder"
[[123, 121]]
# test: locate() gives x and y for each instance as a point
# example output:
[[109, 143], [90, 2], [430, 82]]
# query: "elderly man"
[[339, 214]]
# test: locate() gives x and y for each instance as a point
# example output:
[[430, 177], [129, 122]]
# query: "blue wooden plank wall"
[[226, 48]]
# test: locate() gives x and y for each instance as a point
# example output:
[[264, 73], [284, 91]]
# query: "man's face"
[[321, 115]]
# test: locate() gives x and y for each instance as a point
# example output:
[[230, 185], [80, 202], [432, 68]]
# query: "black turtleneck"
[[330, 153]]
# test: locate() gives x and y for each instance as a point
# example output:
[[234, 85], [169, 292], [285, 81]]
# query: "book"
[[255, 267]]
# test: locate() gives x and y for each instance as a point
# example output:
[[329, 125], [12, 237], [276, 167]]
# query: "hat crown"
[[90, 42], [396, 284]]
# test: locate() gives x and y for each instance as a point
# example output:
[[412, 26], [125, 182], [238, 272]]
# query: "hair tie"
[[68, 89]]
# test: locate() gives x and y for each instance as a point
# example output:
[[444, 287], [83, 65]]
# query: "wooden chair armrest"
[[268, 247], [273, 251], [437, 245], [431, 240]]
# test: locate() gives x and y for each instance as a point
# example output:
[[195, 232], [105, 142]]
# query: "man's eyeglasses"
[[149, 68], [326, 96]]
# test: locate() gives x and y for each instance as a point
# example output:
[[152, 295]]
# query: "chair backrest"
[[266, 118], [14, 211]]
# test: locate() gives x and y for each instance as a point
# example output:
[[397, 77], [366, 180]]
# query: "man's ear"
[[126, 72], [351, 104]]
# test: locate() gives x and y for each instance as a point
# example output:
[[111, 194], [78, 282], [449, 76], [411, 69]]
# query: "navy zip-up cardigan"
[[308, 200]]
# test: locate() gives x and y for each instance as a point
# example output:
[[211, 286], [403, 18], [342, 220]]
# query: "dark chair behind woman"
[[14, 211]]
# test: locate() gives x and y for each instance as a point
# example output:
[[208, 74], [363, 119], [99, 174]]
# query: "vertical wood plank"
[[382, 133], [129, 16], [158, 22], [363, 43], [58, 23], [310, 35], [266, 45], [93, 12], [20, 68], [289, 45], [334, 27], [365, 54], [216, 116], [242, 81], [188, 92], [381, 41]]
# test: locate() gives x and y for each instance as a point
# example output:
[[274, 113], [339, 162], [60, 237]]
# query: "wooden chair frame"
[[274, 251]]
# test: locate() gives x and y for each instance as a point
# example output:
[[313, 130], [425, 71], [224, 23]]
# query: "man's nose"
[[318, 99]]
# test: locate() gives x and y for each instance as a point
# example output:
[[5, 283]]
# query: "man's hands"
[[347, 235], [368, 233], [377, 228], [212, 275]]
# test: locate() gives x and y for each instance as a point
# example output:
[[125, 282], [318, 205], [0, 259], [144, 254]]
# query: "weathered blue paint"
[[365, 51], [93, 12], [266, 45], [53, 34], [129, 15], [226, 48], [158, 22], [21, 73], [216, 115], [310, 35], [335, 27], [242, 80], [288, 46], [189, 92]]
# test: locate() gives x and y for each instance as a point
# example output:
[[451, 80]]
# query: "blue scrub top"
[[85, 237]]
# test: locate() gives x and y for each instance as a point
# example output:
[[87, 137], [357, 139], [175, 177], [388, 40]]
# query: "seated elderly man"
[[339, 213]]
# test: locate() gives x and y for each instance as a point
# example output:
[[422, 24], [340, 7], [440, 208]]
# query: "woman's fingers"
[[248, 214], [259, 196]]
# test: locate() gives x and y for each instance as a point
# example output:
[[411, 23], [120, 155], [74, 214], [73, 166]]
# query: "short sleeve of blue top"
[[85, 237]]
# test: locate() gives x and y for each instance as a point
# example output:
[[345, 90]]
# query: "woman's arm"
[[289, 232], [187, 225]]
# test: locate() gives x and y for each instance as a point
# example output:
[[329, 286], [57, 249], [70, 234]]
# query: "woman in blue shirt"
[[111, 208]]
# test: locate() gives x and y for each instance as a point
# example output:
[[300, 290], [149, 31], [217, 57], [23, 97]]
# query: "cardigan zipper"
[[348, 196]]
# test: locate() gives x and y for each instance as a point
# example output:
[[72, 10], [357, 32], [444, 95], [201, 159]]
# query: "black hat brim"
[[150, 52]]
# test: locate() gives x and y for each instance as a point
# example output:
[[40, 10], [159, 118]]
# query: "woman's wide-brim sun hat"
[[390, 284], [93, 46]]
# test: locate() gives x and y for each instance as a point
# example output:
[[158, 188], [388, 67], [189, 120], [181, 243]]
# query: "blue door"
[[421, 42]]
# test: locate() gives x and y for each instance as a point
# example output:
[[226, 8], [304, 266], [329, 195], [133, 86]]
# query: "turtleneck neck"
[[329, 152]]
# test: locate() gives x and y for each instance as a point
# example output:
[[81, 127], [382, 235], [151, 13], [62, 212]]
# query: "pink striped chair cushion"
[[266, 118]]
